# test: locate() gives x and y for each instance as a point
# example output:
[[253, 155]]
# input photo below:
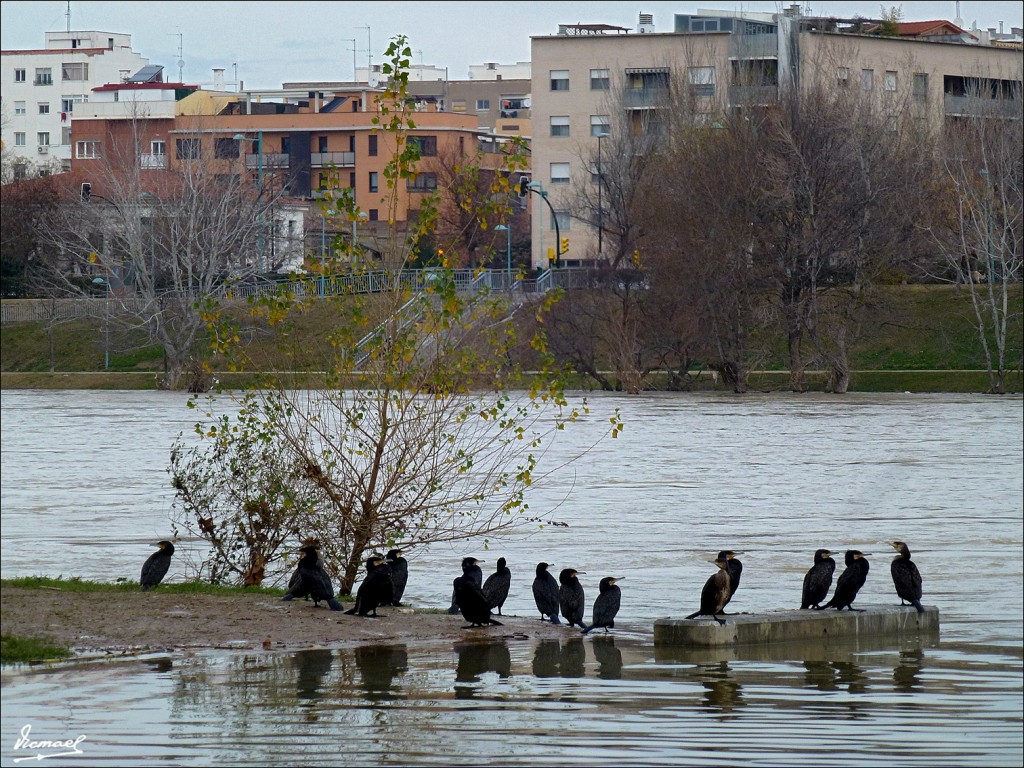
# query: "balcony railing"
[[753, 46], [974, 106], [270, 160], [641, 98], [152, 161], [753, 94], [320, 159]]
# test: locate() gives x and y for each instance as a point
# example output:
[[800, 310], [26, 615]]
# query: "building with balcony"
[[590, 78], [43, 89]]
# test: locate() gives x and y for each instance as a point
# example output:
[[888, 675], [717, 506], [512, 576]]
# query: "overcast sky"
[[276, 42]]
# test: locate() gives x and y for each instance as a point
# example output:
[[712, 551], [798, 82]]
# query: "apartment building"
[[586, 76], [296, 142], [42, 87]]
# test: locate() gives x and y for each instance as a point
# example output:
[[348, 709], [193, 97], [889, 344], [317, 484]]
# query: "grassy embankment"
[[923, 341]]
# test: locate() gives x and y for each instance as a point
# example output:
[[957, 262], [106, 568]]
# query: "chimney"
[[218, 79]]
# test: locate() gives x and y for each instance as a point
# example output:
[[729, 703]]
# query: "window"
[[373, 146], [600, 125], [87, 150], [44, 107], [44, 76], [158, 147], [867, 79], [599, 80], [74, 71], [559, 173], [920, 86], [563, 219], [67, 103], [19, 75], [458, 105], [422, 182], [890, 81], [560, 125], [321, 144], [65, 136], [43, 138], [427, 145], [482, 105], [352, 180], [373, 214], [374, 182], [647, 79], [559, 79], [19, 139], [188, 149], [226, 149], [843, 76], [19, 107], [702, 81]]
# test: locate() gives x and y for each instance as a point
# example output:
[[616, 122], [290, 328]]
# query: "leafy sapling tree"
[[415, 424]]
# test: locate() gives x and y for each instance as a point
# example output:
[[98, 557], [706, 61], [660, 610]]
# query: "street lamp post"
[[537, 188], [355, 231], [106, 322], [600, 205], [259, 186], [323, 253], [508, 252]]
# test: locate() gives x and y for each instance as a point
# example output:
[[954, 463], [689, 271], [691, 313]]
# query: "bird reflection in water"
[[546, 658], [163, 664], [721, 692], [609, 658], [572, 658], [850, 676], [378, 666], [835, 675], [476, 659], [905, 676], [311, 667]]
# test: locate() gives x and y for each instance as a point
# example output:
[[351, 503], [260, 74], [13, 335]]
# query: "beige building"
[[587, 75]]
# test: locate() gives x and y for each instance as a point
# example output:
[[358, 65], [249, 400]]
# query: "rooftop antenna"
[[369, 52], [354, 49], [181, 61], [235, 66], [67, 15]]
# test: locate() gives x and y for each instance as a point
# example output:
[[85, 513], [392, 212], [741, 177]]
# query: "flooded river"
[[85, 491]]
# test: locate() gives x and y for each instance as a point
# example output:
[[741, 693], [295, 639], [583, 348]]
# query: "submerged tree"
[[415, 428]]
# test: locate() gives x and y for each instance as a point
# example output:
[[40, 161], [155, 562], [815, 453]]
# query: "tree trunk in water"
[[797, 381]]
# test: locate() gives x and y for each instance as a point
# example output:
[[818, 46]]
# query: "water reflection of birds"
[[820, 675], [850, 676], [721, 692], [156, 565], [905, 577], [572, 658], [476, 659], [571, 597], [850, 582], [606, 607], [818, 580], [546, 658], [375, 590], [905, 675], [715, 593], [470, 568], [399, 575], [312, 580], [497, 585], [545, 594], [472, 603], [379, 665], [735, 569], [609, 658], [312, 667]]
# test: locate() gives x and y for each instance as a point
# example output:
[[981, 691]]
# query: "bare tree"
[[164, 242], [978, 228]]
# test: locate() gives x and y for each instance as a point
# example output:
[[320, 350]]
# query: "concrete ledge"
[[797, 625]]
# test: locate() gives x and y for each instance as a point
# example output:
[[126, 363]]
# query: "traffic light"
[[524, 186], [565, 245], [86, 191]]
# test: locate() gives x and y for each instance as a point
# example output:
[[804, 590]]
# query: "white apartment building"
[[39, 89], [589, 78]]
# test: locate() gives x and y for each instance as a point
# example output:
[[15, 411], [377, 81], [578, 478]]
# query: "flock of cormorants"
[[476, 599]]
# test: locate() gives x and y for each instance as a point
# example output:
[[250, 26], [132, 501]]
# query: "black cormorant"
[[312, 580], [497, 585], [735, 569], [570, 596], [471, 569], [850, 582], [472, 603], [293, 582], [715, 594], [906, 577], [399, 574], [375, 590], [606, 606], [545, 594], [818, 580], [156, 565]]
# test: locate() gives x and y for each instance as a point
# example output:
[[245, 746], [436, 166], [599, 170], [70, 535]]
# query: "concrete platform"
[[795, 626]]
